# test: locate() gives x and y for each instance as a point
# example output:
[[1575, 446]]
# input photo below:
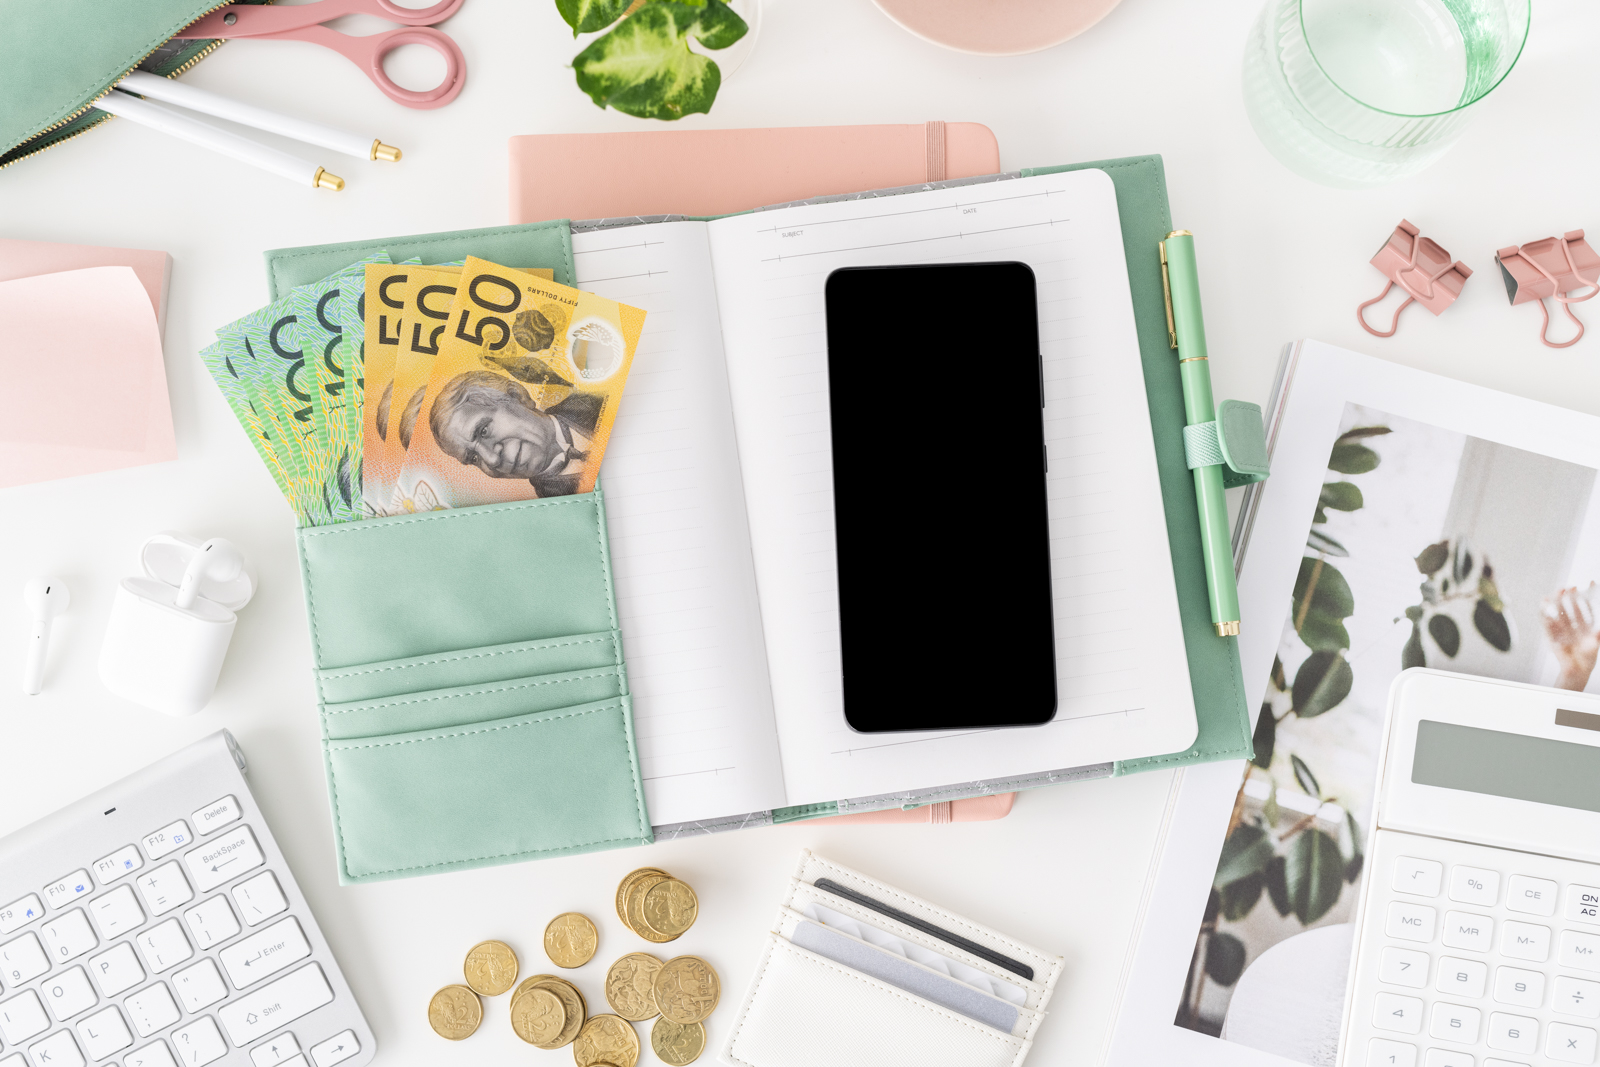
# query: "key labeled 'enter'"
[[266, 953]]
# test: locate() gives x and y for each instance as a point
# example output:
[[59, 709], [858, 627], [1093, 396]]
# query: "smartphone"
[[940, 507]]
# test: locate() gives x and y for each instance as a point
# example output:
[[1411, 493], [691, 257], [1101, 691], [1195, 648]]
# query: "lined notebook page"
[[1121, 670], [680, 545]]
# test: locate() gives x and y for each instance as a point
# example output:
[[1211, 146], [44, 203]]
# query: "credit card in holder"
[[903, 974], [926, 927], [861, 931]]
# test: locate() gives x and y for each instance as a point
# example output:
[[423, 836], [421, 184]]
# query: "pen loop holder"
[[1421, 268], [1235, 439], [1553, 268]]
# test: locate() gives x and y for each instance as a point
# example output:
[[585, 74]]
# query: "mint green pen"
[[1186, 332]]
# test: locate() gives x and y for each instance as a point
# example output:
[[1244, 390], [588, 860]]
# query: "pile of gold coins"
[[550, 1013]]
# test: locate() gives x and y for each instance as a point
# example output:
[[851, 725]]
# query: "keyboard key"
[[276, 1051], [68, 993], [1492, 1062], [1533, 896], [124, 860], [103, 1033], [336, 1049], [1403, 966], [14, 1060], [265, 953], [156, 1055], [199, 1043], [1583, 904], [164, 946], [1391, 1011], [224, 858], [165, 888], [199, 986], [169, 838], [1464, 930], [116, 912], [1570, 1044], [1574, 996], [1462, 978], [1580, 951], [1525, 941], [117, 970], [215, 815], [1440, 1057], [22, 1016], [1452, 1022], [1513, 1033], [1474, 885], [68, 937], [297, 1061], [1420, 877], [64, 892], [20, 913], [281, 1002], [211, 923], [22, 959], [1512, 985], [57, 1050], [1381, 1053], [1410, 922], [152, 1009], [259, 898]]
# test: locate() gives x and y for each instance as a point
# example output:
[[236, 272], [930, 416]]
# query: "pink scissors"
[[304, 22]]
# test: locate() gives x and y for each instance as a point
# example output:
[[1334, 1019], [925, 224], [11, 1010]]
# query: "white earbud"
[[218, 560], [46, 598]]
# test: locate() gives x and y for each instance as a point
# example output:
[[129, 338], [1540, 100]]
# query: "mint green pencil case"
[[469, 666]]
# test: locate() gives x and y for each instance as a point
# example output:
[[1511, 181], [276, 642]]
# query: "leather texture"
[[474, 699]]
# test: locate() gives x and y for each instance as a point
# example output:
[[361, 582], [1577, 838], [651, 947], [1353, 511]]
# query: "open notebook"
[[721, 515]]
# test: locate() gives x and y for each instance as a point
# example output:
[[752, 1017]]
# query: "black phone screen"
[[940, 512]]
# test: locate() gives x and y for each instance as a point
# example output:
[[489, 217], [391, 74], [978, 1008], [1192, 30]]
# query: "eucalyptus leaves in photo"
[[643, 65]]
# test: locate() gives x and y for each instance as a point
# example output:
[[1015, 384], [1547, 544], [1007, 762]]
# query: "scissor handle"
[[266, 20], [368, 52]]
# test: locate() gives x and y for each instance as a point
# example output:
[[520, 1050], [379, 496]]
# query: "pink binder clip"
[[1552, 267], [1420, 267]]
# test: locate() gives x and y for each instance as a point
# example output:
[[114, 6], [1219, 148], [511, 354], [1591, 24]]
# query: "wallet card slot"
[[527, 786], [469, 704], [473, 666]]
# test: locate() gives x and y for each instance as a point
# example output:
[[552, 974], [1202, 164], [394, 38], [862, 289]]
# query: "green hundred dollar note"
[[237, 391]]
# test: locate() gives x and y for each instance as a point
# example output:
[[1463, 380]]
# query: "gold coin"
[[606, 1039], [627, 884], [677, 1045], [670, 908], [491, 968], [631, 986], [635, 905], [570, 940], [687, 990], [455, 1012], [571, 1000], [538, 1017]]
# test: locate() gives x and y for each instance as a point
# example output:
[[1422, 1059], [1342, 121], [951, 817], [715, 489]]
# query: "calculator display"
[[1503, 764]]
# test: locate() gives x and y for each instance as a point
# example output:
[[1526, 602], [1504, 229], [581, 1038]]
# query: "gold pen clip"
[[1166, 291]]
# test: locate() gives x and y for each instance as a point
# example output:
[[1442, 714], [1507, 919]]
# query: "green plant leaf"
[[1412, 655], [1352, 866], [1314, 871], [1433, 557], [1303, 775], [1323, 632], [1414, 613], [1444, 630], [1241, 896], [1270, 810], [1341, 496], [1490, 592], [1247, 851], [1265, 737], [1330, 593], [1320, 515], [1279, 682], [588, 16], [1352, 459], [1278, 886], [644, 67], [1492, 625], [1224, 958], [1322, 681], [1317, 541], [1213, 907], [1363, 431]]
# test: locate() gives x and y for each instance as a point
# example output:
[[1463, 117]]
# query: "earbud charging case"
[[159, 655]]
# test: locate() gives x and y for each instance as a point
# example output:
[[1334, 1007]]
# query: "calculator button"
[[1513, 985], [22, 959], [1452, 1022], [1420, 877], [1574, 996], [1410, 922], [1381, 1053], [103, 1033], [1583, 904], [1403, 966], [119, 863], [68, 889], [1465, 930], [1474, 885], [1390, 1011], [1570, 1044], [169, 838], [116, 912], [1439, 1057], [1533, 896], [1464, 978], [1581, 951], [1525, 941], [1513, 1033]]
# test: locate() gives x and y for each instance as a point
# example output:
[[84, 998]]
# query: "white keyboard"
[[155, 924]]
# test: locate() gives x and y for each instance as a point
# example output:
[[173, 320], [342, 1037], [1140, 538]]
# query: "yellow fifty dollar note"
[[521, 398]]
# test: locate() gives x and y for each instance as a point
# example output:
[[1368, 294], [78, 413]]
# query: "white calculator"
[[1478, 930]]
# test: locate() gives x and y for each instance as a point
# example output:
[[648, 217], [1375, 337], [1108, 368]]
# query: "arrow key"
[[336, 1049], [278, 1050], [223, 858]]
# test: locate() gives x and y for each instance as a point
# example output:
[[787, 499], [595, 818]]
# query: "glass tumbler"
[[1355, 93]]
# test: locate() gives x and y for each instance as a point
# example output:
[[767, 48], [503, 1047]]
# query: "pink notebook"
[[717, 172], [24, 259]]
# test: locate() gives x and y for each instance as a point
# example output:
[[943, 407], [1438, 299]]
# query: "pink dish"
[[996, 27]]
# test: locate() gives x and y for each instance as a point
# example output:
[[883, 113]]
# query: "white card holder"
[[803, 1009]]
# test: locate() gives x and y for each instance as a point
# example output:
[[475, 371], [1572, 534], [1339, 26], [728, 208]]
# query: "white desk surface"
[[1280, 258]]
